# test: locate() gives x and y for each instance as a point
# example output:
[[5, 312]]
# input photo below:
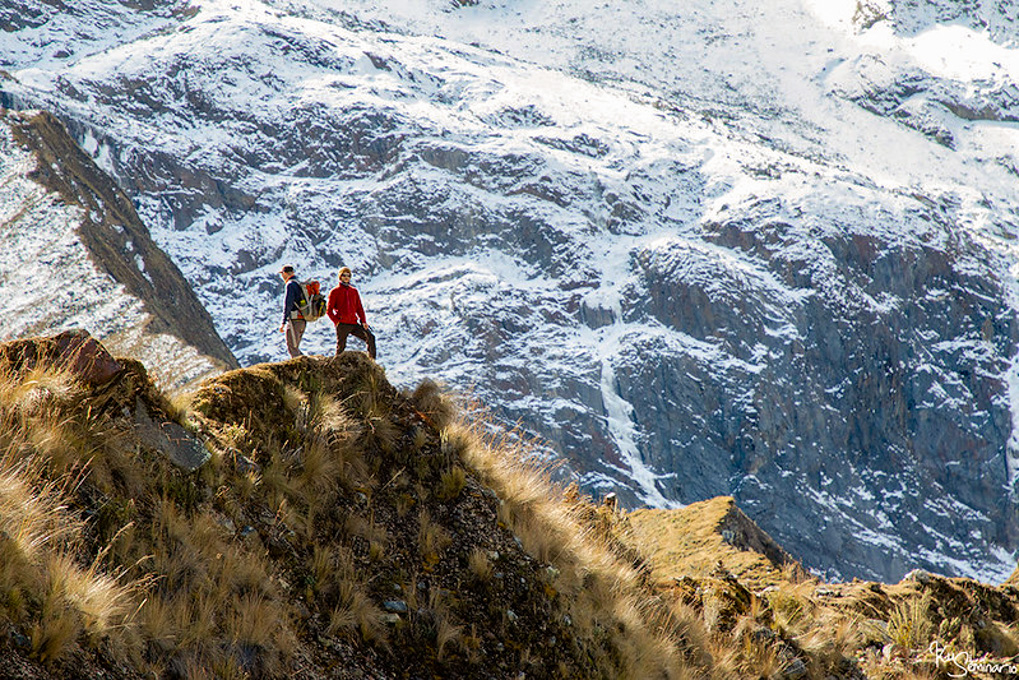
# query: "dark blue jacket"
[[294, 294]]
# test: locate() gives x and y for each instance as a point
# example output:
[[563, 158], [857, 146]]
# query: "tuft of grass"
[[480, 566], [832, 639], [41, 543], [319, 472], [419, 440], [793, 608], [451, 484], [54, 632], [257, 620], [370, 399], [298, 405], [432, 539], [383, 432], [685, 626], [100, 600], [909, 624], [445, 633], [355, 611], [40, 390], [753, 648], [438, 409], [342, 620]]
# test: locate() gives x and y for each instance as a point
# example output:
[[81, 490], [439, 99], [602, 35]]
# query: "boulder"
[[75, 351]]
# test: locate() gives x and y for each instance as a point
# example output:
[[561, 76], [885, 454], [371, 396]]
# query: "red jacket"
[[345, 305]]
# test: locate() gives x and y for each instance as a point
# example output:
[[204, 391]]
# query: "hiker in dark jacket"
[[293, 322], [345, 310]]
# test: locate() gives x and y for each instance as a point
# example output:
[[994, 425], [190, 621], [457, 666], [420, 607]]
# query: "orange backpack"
[[313, 305]]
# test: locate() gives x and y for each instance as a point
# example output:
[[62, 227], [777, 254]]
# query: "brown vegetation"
[[338, 527], [331, 526]]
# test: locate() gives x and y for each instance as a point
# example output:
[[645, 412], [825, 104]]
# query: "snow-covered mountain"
[[762, 250], [76, 256]]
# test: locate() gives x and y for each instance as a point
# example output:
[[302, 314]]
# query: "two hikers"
[[344, 309]]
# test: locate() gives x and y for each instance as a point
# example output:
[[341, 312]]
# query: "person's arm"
[[359, 309], [290, 302], [331, 310]]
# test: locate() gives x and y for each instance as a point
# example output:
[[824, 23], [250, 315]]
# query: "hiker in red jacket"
[[345, 310]]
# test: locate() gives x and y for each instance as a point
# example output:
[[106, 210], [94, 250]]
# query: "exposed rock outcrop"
[[76, 352]]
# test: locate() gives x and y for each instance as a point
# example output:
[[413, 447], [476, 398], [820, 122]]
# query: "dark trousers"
[[358, 331]]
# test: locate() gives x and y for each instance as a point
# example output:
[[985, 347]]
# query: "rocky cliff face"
[[689, 282], [910, 425], [77, 255]]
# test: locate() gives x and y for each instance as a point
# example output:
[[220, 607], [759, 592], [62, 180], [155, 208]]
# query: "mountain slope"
[[695, 280], [78, 256], [326, 526], [306, 520]]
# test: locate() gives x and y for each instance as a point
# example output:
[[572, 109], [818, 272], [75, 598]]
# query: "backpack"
[[313, 304]]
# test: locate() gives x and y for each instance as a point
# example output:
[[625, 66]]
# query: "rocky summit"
[[759, 251]]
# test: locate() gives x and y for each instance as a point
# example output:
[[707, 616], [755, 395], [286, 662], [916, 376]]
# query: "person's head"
[[344, 274], [287, 272]]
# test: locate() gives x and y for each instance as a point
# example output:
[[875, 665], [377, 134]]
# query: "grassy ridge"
[[338, 524], [319, 523]]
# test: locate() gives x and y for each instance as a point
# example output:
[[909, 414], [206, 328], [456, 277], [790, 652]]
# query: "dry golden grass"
[[319, 473], [834, 636], [602, 595], [41, 542], [431, 401], [792, 605], [338, 490], [342, 620], [100, 599], [451, 483], [256, 620], [446, 633], [299, 406], [357, 611], [480, 565], [196, 585], [39, 388], [54, 632], [909, 625], [432, 539], [688, 542]]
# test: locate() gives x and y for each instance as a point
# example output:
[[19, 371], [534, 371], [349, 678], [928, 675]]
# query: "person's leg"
[[299, 326], [370, 341], [295, 331], [292, 349], [359, 331], [342, 330], [367, 336]]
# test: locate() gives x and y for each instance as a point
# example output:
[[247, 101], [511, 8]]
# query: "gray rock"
[[395, 606], [170, 439], [794, 670]]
